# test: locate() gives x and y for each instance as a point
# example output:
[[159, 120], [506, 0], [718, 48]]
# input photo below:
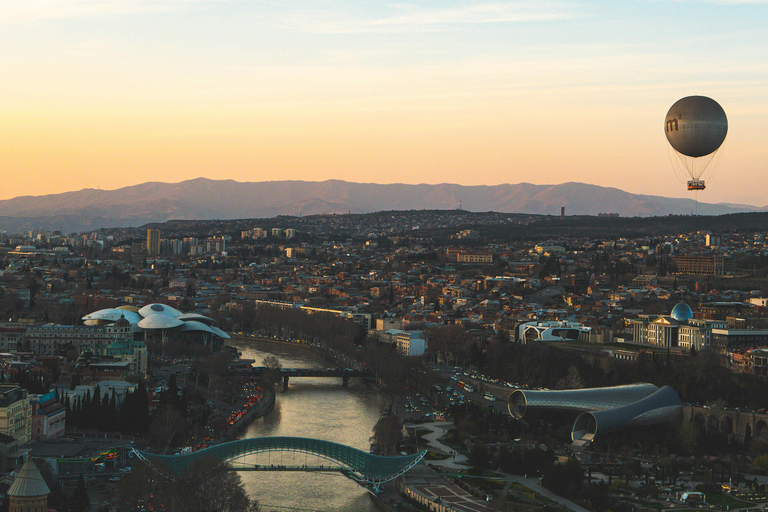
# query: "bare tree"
[[387, 435], [166, 423], [271, 375], [206, 485], [447, 342]]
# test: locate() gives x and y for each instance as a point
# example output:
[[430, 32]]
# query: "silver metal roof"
[[156, 308], [160, 321]]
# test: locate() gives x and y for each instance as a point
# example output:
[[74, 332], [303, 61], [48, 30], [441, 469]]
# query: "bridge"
[[344, 373], [737, 425], [363, 467]]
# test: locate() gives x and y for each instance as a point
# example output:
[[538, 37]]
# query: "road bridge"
[[363, 467], [344, 373]]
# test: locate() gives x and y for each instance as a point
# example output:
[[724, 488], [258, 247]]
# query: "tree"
[[478, 455], [386, 436], [46, 471], [80, 501], [206, 485], [565, 479], [134, 412], [272, 374], [689, 436], [447, 341], [166, 423]]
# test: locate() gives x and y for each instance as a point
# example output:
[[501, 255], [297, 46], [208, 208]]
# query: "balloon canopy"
[[696, 126]]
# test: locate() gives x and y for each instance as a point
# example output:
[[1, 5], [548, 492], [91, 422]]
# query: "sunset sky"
[[109, 93]]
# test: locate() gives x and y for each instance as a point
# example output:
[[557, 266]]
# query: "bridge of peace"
[[364, 468]]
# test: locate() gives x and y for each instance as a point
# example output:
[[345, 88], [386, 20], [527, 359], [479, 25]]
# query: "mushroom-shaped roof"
[[160, 321], [112, 315], [128, 307], [29, 482], [681, 312], [193, 325], [152, 309], [186, 317], [220, 333]]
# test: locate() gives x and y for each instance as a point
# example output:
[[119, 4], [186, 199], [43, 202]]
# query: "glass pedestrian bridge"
[[357, 464]]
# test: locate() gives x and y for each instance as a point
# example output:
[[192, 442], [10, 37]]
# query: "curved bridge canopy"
[[373, 469]]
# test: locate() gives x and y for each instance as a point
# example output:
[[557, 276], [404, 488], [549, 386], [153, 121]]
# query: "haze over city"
[[106, 94]]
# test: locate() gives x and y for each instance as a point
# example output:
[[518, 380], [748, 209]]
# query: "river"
[[317, 408]]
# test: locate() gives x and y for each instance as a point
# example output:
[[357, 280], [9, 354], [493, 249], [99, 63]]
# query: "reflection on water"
[[319, 408]]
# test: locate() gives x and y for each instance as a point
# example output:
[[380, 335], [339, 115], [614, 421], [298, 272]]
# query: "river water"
[[318, 408]]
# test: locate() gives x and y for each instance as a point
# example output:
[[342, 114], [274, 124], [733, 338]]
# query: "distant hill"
[[227, 199]]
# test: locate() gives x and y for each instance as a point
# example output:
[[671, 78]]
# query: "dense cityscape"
[[122, 345]]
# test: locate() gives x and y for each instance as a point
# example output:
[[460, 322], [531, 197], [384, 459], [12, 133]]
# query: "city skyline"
[[106, 94]]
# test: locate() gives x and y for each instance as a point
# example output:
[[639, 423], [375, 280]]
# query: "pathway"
[[459, 461], [437, 430]]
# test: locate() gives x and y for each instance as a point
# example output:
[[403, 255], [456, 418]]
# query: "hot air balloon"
[[696, 127]]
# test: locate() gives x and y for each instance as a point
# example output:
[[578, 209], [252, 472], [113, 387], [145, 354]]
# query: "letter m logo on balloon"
[[671, 125]]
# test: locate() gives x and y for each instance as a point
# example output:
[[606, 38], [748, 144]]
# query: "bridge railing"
[[373, 469]]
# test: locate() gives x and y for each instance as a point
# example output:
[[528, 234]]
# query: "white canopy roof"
[[113, 315], [151, 309], [160, 321]]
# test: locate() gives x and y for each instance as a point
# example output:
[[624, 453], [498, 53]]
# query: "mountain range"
[[203, 198]]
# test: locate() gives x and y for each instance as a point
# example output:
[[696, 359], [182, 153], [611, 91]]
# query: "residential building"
[[411, 343], [53, 339], [702, 265], [15, 413], [153, 242], [48, 416]]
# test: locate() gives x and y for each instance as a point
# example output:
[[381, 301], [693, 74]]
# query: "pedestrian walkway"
[[458, 461], [438, 429]]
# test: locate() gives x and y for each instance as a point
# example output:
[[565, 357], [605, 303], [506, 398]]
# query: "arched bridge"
[[357, 464], [739, 425]]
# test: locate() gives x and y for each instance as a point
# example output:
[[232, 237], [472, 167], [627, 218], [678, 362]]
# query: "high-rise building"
[[153, 242]]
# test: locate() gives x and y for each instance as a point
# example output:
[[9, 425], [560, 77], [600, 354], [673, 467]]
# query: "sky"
[[110, 93]]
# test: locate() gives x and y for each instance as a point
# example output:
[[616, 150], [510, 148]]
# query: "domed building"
[[679, 330], [681, 312], [28, 492]]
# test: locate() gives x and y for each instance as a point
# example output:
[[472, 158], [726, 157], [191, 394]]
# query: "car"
[[114, 479]]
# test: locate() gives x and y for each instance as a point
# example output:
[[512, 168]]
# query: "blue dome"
[[681, 312]]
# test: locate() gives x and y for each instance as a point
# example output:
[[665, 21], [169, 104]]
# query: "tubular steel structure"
[[603, 409], [364, 467], [660, 407]]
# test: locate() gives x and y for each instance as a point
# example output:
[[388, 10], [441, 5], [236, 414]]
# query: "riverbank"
[[325, 353], [260, 409], [228, 424], [311, 407], [305, 346]]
